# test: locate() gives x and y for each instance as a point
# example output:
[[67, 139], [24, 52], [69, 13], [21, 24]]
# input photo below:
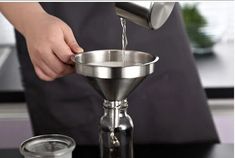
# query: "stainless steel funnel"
[[105, 71]]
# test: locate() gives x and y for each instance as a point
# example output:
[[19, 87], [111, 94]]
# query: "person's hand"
[[51, 44], [50, 41]]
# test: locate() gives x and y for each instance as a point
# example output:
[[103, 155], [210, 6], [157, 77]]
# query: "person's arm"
[[50, 41], [20, 14]]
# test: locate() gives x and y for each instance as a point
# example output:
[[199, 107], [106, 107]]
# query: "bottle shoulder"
[[124, 122]]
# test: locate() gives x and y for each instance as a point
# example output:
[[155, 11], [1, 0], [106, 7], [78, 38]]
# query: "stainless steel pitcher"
[[151, 15]]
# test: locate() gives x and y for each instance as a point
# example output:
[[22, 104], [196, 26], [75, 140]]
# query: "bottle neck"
[[115, 106], [114, 110]]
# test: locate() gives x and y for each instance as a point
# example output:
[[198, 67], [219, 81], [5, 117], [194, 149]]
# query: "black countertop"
[[151, 151]]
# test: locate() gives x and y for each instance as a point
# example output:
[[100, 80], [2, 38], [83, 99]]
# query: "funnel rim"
[[156, 58], [134, 70]]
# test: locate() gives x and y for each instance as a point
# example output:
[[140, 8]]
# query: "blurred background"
[[212, 42]]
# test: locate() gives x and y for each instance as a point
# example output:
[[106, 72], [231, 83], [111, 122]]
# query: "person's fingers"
[[42, 75], [71, 40], [48, 65], [68, 70], [46, 73], [42, 70], [56, 65], [47, 70], [63, 52], [60, 69]]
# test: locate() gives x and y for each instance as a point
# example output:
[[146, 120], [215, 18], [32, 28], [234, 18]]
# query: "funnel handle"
[[73, 58]]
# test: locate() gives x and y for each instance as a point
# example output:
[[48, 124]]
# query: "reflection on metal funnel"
[[114, 89], [105, 72]]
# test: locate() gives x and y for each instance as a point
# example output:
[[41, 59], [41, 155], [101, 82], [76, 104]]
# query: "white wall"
[[220, 18], [6, 32]]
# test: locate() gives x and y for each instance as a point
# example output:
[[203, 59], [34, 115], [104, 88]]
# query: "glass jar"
[[48, 146], [116, 131]]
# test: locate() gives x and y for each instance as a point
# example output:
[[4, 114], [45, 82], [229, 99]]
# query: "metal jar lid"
[[51, 145]]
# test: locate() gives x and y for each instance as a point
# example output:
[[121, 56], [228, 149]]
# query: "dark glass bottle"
[[116, 131]]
